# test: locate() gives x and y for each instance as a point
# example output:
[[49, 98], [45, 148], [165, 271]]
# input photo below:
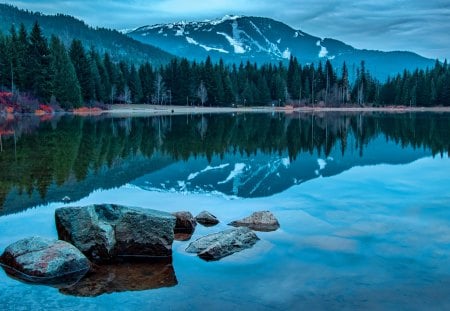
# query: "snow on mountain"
[[236, 38]]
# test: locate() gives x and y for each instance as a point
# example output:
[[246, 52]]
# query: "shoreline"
[[176, 110], [135, 110]]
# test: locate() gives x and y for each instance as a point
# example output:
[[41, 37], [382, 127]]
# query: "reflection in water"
[[134, 276], [45, 161], [58, 282]]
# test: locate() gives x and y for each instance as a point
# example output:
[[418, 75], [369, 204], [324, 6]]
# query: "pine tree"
[[64, 83], [80, 62], [21, 52], [135, 86], [345, 84], [147, 77], [39, 64]]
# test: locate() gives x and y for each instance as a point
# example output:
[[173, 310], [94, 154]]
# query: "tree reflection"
[[36, 155]]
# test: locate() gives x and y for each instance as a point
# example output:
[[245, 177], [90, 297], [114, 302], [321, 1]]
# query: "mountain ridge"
[[236, 38]]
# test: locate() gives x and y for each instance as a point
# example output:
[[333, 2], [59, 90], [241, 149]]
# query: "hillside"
[[67, 28]]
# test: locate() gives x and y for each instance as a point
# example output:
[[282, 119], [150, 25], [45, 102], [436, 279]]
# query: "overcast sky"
[[421, 26]]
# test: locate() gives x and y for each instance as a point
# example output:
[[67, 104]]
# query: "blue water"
[[373, 236]]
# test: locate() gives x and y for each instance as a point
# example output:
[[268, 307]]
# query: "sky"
[[421, 26]]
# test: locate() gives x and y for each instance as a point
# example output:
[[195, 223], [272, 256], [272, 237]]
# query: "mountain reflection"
[[43, 161]]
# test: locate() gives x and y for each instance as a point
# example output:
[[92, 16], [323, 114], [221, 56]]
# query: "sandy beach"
[[146, 110]]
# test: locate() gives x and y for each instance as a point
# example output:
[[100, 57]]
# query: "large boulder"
[[206, 219], [128, 276], [44, 261], [259, 221], [106, 232], [218, 245]]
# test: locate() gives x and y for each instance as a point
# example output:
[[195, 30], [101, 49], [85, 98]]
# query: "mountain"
[[67, 28], [262, 40]]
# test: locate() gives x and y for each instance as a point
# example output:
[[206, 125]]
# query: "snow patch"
[[286, 162], [191, 41], [272, 47], [323, 52], [322, 163], [223, 19], [238, 169], [207, 48], [279, 41], [287, 54], [234, 42], [179, 32], [208, 168]]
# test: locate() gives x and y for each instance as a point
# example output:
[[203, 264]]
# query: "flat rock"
[[128, 276], [207, 219], [258, 221], [105, 232], [221, 244], [44, 261]]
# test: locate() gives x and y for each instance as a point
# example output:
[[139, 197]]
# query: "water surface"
[[362, 200]]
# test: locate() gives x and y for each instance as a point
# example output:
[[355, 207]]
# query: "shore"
[[168, 110]]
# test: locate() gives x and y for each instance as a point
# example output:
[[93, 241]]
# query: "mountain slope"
[[120, 47], [262, 40]]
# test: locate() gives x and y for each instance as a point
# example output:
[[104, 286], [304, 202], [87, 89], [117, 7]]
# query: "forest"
[[35, 70]]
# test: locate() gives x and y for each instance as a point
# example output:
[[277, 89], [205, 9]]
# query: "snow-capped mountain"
[[262, 40]]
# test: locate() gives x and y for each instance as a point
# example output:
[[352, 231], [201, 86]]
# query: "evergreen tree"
[[39, 64], [64, 83], [134, 84], [80, 62]]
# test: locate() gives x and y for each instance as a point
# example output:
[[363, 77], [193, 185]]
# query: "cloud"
[[416, 25]]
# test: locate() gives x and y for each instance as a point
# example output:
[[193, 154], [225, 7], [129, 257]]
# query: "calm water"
[[363, 201]]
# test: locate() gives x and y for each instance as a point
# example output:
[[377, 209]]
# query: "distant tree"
[[202, 93], [160, 90], [135, 86]]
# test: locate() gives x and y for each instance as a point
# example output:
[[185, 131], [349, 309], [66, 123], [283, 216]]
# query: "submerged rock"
[[44, 261], [129, 276], [105, 232], [207, 219], [259, 221], [222, 244]]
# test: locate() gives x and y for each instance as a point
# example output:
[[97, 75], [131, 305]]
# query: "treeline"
[[76, 76]]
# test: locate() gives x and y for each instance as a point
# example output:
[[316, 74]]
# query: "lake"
[[363, 202]]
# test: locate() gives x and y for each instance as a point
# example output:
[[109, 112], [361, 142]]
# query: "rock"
[[106, 232], [259, 221], [129, 276], [222, 244], [207, 219], [185, 222], [44, 261]]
